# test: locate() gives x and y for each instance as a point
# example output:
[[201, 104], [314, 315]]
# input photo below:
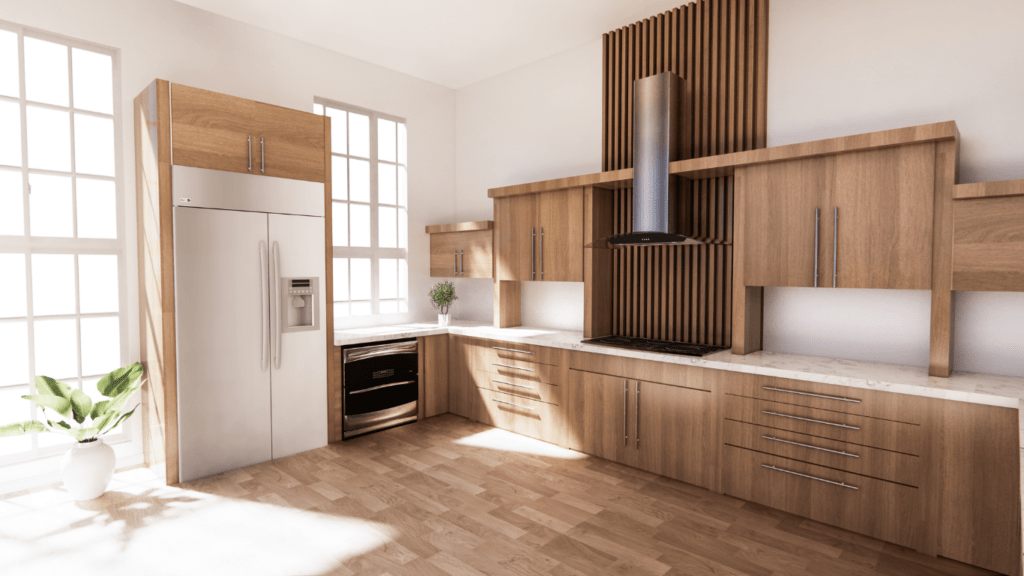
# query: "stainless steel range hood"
[[657, 141]]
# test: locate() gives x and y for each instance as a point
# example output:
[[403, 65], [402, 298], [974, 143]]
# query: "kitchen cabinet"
[[854, 220], [221, 132], [602, 424], [433, 375], [539, 237], [462, 392], [461, 250]]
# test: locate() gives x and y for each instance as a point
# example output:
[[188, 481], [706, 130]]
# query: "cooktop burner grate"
[[661, 346]]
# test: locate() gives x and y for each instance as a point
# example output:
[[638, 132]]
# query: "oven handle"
[[382, 386], [356, 354]]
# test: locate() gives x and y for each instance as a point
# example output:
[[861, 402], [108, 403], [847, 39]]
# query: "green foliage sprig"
[[76, 407], [442, 296]]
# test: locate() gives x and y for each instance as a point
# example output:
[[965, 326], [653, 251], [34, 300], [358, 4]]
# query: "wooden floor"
[[443, 496]]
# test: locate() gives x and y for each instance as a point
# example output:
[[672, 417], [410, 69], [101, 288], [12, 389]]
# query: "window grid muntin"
[[28, 245]]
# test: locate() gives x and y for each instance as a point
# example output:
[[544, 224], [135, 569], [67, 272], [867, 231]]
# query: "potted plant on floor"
[[442, 296], [88, 466]]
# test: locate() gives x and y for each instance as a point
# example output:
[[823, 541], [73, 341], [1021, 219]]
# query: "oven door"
[[381, 387]]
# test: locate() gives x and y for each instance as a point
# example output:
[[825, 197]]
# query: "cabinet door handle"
[[382, 386], [513, 384], [625, 412], [511, 404], [809, 394], [533, 253], [455, 270], [542, 253], [507, 366], [841, 484], [462, 264], [840, 452], [835, 244], [512, 350], [810, 420], [250, 152], [262, 163], [636, 416], [817, 219]]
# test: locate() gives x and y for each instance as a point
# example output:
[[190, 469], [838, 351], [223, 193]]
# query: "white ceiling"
[[450, 42]]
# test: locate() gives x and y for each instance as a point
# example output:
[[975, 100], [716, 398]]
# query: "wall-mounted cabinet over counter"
[[463, 250], [988, 236], [540, 237]]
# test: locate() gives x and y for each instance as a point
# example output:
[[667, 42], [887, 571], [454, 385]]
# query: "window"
[[370, 214], [62, 270]]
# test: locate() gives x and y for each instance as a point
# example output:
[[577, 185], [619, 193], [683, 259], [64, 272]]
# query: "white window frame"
[[374, 252], [29, 245]]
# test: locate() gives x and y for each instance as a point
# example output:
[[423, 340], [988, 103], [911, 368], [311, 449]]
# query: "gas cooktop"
[[660, 346]]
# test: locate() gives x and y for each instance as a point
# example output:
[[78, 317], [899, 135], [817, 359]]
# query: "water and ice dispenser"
[[299, 300]]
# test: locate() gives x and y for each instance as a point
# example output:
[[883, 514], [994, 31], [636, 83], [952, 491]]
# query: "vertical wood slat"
[[720, 49]]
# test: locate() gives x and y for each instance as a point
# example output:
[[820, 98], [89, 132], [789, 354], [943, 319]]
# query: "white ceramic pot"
[[444, 319], [87, 469]]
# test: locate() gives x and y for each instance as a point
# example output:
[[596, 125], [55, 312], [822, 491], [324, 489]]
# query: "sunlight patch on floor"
[[497, 439], [146, 528]]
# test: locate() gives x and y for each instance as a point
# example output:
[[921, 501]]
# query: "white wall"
[[838, 68], [534, 123], [172, 41]]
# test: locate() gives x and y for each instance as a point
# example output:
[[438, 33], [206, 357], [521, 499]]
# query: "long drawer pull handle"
[[842, 484], [382, 386], [511, 404], [512, 350], [809, 394], [625, 412], [810, 420], [511, 384], [516, 367], [840, 452]]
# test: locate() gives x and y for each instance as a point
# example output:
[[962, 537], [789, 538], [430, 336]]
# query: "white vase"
[[87, 469], [444, 319]]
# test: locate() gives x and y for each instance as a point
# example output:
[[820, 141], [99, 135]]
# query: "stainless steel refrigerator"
[[250, 320]]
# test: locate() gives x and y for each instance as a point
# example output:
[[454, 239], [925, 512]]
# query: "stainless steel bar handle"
[[810, 420], [382, 386], [511, 404], [275, 301], [262, 162], [513, 384], [264, 308], [462, 264], [250, 153], [809, 394], [511, 350], [533, 253], [625, 412], [817, 219], [455, 265], [840, 452], [841, 484], [636, 416], [835, 245], [542, 253], [507, 366]]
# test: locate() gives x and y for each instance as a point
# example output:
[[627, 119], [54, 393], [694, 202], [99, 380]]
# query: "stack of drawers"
[[843, 456], [519, 387]]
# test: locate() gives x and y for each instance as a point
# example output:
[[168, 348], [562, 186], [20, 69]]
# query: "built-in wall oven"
[[380, 386]]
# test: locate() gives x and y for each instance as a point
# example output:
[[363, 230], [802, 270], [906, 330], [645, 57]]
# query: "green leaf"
[[21, 428], [47, 385], [59, 424], [119, 380], [99, 408], [81, 404], [59, 405], [119, 420]]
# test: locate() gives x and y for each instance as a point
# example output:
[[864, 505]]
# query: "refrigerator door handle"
[[265, 308], [276, 305]]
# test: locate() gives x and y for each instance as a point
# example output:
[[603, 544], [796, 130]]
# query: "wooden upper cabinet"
[[461, 254], [515, 237], [211, 130], [886, 201], [290, 143], [560, 242]]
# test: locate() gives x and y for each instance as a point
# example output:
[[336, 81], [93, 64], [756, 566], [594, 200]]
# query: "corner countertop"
[[985, 389]]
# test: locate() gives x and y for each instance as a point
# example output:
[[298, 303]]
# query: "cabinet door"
[[288, 143], [444, 254], [515, 227], [434, 375], [461, 254], [560, 237], [463, 396], [601, 417], [885, 200], [676, 432], [781, 200], [211, 130]]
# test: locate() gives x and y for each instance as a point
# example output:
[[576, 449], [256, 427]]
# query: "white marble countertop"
[[986, 389]]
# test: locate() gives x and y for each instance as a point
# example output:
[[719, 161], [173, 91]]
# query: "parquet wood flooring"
[[445, 496]]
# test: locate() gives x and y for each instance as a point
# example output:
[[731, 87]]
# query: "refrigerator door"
[[221, 302], [299, 373]]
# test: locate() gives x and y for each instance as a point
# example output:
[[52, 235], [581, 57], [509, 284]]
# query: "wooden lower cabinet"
[[433, 375], [600, 423]]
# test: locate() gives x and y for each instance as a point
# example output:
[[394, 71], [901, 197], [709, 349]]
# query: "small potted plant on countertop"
[[441, 298], [88, 466]]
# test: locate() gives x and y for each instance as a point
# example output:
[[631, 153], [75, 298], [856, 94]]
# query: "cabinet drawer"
[[881, 464], [490, 351], [896, 436], [518, 386], [522, 416], [877, 508], [886, 405]]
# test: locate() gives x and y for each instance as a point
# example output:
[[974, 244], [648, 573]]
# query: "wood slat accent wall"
[[720, 48]]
